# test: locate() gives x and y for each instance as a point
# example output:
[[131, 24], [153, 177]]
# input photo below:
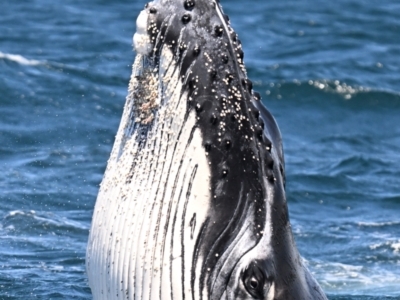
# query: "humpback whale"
[[192, 204]]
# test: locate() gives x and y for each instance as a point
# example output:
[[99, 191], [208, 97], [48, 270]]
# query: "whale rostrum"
[[192, 204]]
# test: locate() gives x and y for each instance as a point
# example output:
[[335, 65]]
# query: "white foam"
[[21, 213], [396, 247], [20, 59], [56, 268], [11, 227], [393, 244], [339, 278], [16, 212], [377, 224], [375, 246]]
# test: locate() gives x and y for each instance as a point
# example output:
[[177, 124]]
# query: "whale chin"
[[155, 192], [192, 203]]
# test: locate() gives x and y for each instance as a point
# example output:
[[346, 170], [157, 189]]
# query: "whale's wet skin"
[[192, 204]]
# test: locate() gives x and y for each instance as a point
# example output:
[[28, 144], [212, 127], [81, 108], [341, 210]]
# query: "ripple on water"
[[28, 222]]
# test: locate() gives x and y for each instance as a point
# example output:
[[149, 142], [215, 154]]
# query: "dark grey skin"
[[245, 248], [272, 262]]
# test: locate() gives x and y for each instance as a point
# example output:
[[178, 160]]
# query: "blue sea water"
[[329, 71]]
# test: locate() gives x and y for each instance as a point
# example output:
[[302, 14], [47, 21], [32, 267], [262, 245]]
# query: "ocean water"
[[329, 71]]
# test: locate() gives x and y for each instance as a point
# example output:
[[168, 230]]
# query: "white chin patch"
[[141, 39]]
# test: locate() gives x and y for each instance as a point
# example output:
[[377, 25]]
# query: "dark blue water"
[[328, 70]]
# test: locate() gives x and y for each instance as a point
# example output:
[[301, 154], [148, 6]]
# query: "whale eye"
[[253, 283], [254, 280]]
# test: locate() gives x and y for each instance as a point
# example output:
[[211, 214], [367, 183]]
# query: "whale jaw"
[[154, 195]]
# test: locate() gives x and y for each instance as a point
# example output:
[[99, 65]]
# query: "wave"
[[358, 165], [337, 87], [378, 224], [326, 89], [23, 222], [339, 279], [76, 70], [21, 60], [393, 245]]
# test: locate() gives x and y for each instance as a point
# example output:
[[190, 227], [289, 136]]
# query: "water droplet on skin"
[[229, 77], [196, 50], [198, 108], [228, 144], [270, 177]]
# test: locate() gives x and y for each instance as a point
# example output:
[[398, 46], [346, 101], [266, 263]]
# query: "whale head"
[[192, 204]]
